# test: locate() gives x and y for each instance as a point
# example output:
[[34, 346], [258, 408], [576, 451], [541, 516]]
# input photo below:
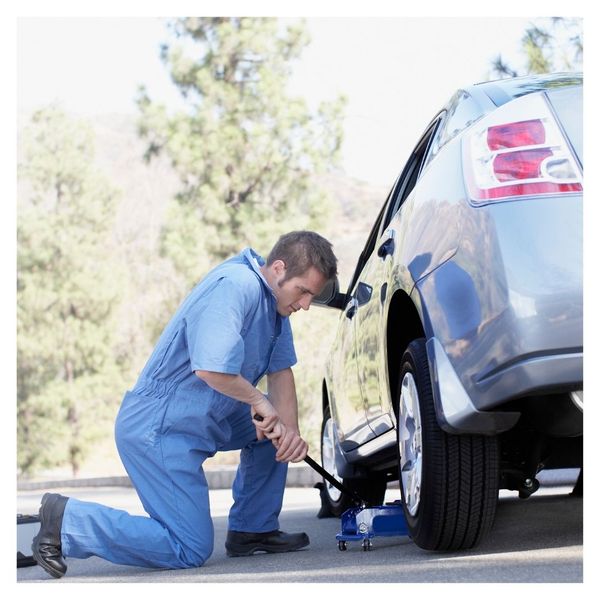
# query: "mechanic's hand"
[[269, 426], [290, 447]]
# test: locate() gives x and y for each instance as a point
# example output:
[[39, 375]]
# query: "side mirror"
[[331, 297]]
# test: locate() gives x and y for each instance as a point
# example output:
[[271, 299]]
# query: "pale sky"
[[396, 71]]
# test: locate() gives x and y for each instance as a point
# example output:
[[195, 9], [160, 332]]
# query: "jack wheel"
[[342, 545]]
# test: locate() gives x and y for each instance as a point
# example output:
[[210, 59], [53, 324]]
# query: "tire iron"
[[328, 476]]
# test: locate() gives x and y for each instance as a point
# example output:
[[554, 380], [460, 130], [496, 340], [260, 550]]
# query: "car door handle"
[[388, 245]]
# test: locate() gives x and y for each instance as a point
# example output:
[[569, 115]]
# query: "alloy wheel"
[[328, 454], [410, 444]]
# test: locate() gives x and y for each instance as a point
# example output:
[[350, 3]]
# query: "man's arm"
[[282, 394], [239, 388], [280, 411]]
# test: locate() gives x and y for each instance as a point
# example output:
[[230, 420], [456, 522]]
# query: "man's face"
[[297, 292]]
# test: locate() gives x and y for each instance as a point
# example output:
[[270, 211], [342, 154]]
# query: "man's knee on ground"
[[194, 554]]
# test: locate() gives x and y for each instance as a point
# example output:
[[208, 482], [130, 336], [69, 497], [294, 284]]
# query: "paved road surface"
[[538, 540]]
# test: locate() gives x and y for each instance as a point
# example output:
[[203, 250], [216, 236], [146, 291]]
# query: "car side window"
[[460, 112], [410, 174], [370, 245]]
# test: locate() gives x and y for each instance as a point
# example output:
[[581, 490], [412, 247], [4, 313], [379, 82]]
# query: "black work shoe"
[[241, 543], [46, 546]]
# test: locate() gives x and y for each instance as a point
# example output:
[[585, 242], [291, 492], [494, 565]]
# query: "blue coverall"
[[172, 421]]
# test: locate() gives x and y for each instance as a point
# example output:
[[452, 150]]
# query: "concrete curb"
[[219, 479]]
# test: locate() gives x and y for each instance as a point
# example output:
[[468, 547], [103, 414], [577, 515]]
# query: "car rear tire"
[[449, 483], [333, 502]]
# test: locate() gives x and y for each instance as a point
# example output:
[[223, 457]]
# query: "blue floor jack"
[[362, 522]]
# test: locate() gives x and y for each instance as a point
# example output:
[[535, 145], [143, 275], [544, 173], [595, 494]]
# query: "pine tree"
[[68, 286], [246, 152], [554, 44]]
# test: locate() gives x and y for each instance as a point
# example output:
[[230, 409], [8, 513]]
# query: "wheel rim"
[[410, 444], [328, 450]]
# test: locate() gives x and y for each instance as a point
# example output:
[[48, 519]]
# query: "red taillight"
[[514, 135], [519, 150], [522, 164], [529, 189]]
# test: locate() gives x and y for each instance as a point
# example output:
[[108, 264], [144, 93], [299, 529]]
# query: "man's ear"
[[278, 267]]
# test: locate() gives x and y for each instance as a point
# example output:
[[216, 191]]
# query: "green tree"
[[554, 44], [68, 286], [246, 152]]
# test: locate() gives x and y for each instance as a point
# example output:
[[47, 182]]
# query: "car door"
[[345, 398], [348, 404], [372, 292]]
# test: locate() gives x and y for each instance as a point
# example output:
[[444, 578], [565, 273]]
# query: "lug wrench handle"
[[327, 476]]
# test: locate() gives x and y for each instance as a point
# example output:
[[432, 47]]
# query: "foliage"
[[248, 158], [245, 151], [67, 289], [554, 44], [314, 332]]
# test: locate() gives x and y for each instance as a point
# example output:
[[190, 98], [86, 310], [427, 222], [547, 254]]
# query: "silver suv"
[[457, 366]]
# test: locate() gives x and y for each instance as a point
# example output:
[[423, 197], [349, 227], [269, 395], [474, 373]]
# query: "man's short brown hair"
[[301, 250]]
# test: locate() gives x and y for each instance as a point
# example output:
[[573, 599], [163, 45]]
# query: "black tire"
[[333, 502], [458, 489]]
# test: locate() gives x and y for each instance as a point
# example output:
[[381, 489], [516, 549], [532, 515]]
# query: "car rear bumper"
[[456, 410], [531, 375]]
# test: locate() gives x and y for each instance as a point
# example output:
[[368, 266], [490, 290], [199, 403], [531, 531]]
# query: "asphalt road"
[[537, 540]]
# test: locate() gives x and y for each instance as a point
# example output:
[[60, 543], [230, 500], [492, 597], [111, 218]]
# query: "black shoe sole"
[[42, 563], [249, 551]]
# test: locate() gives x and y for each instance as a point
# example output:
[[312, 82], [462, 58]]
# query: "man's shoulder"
[[241, 282], [229, 285], [234, 281], [240, 274]]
